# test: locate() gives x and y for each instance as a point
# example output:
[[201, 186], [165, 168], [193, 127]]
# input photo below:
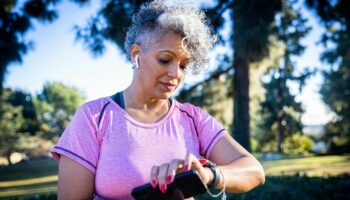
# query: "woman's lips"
[[168, 86]]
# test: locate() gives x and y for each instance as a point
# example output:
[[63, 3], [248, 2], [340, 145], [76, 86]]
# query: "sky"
[[58, 57]]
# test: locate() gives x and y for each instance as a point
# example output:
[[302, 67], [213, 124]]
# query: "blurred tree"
[[11, 121], [25, 100], [109, 24], [26, 121], [335, 89], [252, 20], [257, 90], [213, 95], [298, 144], [55, 106], [281, 113], [15, 21]]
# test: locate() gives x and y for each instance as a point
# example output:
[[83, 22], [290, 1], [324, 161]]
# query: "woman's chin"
[[164, 95]]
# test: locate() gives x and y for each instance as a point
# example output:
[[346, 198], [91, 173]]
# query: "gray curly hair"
[[179, 17]]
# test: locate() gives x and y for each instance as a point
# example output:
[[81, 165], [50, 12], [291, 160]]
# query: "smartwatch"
[[216, 173]]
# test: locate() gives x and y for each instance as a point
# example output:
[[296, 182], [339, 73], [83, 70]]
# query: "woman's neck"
[[144, 108], [139, 99]]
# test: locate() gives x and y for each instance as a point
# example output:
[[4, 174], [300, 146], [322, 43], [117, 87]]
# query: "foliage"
[[11, 120], [29, 124], [335, 89], [35, 146], [281, 114], [270, 146], [15, 21], [25, 100], [297, 144], [213, 96], [109, 24], [251, 19], [55, 107]]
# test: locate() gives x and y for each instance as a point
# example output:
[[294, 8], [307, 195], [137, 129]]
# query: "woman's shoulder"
[[96, 105], [188, 107]]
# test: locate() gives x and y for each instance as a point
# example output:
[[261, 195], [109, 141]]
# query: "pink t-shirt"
[[121, 151]]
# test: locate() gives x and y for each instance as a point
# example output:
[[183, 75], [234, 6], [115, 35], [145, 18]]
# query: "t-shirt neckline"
[[142, 124]]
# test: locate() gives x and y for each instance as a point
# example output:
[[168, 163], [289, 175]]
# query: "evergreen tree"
[[335, 89], [27, 121], [109, 24], [15, 21], [213, 95], [252, 20], [281, 113], [25, 100], [11, 121], [55, 106]]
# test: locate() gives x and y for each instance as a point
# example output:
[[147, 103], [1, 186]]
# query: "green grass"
[[40, 176], [310, 166], [28, 178]]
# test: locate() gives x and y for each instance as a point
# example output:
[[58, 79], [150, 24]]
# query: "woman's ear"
[[134, 50]]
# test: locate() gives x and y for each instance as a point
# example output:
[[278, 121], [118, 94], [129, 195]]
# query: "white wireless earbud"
[[137, 61]]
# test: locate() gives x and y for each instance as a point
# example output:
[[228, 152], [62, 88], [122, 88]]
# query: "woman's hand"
[[164, 174]]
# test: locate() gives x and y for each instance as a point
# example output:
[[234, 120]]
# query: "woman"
[[141, 135]]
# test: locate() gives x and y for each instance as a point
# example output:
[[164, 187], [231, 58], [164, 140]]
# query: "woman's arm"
[[241, 170], [74, 180]]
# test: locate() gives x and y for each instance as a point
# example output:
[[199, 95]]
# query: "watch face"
[[209, 164]]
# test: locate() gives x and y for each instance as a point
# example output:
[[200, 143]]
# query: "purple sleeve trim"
[[76, 155], [214, 138]]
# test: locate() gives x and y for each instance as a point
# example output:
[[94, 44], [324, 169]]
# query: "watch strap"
[[216, 173]]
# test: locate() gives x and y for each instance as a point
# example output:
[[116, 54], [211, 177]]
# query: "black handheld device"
[[188, 182]]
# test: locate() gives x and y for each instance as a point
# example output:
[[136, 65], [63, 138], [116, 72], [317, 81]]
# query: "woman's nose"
[[175, 71]]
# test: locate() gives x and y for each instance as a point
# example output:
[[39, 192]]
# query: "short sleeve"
[[209, 132], [79, 141]]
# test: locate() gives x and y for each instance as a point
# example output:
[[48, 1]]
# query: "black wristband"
[[216, 173]]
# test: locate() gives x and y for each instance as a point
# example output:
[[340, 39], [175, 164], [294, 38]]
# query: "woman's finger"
[[191, 162], [154, 176], [162, 175], [173, 168]]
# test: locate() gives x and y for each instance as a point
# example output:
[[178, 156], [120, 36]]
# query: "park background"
[[285, 62]]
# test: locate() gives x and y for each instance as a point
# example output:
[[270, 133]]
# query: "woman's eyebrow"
[[174, 54], [168, 51]]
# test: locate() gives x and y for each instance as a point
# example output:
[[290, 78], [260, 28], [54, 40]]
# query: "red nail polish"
[[154, 183], [162, 188], [187, 167], [168, 180], [202, 161]]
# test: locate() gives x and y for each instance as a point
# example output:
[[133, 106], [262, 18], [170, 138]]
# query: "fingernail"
[[202, 161], [187, 167], [168, 180], [162, 188], [154, 183]]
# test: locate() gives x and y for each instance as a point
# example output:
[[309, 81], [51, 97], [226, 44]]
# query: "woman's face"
[[162, 66]]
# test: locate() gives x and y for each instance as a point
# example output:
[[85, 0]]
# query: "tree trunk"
[[241, 117], [8, 157], [280, 135], [280, 104]]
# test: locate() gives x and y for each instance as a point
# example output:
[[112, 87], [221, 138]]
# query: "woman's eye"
[[184, 67], [164, 61]]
